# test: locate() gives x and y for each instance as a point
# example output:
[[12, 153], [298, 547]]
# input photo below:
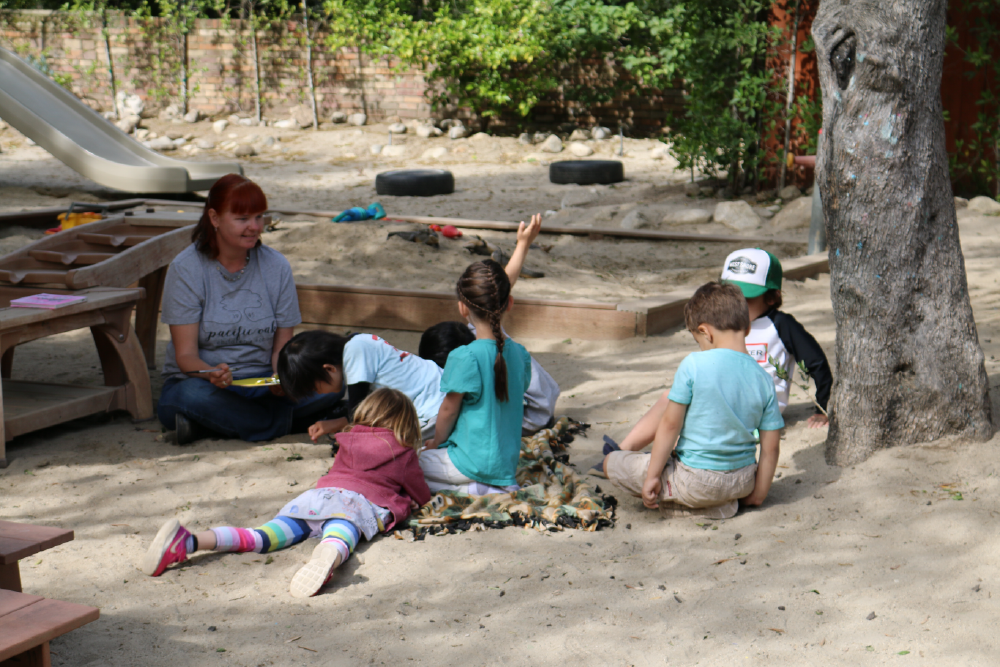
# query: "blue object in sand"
[[356, 214]]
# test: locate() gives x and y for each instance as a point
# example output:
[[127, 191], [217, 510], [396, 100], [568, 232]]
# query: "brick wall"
[[147, 62]]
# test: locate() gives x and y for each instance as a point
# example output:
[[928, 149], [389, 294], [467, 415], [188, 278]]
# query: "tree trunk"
[[909, 367], [790, 97], [309, 65], [106, 33], [256, 66]]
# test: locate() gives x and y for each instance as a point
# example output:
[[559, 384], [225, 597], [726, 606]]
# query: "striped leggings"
[[282, 532]]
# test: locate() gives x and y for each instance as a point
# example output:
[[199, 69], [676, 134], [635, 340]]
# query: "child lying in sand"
[[374, 484], [719, 397]]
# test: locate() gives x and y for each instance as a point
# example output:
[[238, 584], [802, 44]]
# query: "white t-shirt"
[[368, 358], [765, 346]]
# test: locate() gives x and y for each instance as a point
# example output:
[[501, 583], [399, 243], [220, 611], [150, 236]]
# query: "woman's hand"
[[430, 444], [221, 377]]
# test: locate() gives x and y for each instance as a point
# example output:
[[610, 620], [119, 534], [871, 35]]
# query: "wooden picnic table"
[[29, 622], [20, 540], [28, 406]]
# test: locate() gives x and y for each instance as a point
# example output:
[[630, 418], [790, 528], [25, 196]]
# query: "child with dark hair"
[[703, 455], [324, 363], [478, 437], [438, 341], [776, 337], [543, 392]]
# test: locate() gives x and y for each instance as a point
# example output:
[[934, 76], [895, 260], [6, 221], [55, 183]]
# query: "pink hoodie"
[[371, 462]]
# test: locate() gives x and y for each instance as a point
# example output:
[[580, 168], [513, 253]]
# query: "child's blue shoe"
[[610, 446], [375, 211]]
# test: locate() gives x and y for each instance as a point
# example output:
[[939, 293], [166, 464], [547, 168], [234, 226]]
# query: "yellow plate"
[[256, 382]]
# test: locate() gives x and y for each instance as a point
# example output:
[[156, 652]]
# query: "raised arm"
[[526, 235]]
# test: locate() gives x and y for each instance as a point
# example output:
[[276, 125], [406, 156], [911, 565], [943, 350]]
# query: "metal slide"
[[83, 140]]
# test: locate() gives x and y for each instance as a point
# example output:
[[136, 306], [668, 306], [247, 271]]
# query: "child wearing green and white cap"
[[776, 337]]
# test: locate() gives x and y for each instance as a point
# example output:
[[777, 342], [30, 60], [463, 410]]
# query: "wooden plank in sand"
[[592, 232], [415, 310]]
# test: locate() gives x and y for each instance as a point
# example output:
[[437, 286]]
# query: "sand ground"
[[906, 536]]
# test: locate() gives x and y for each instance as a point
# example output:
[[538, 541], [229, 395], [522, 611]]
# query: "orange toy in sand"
[[448, 231], [71, 220]]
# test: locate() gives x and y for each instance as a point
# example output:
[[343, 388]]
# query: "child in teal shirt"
[[477, 441], [703, 459]]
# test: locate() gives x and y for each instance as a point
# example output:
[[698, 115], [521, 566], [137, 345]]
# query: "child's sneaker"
[[313, 575], [169, 547]]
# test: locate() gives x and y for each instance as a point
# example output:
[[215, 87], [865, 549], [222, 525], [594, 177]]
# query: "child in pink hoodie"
[[374, 484]]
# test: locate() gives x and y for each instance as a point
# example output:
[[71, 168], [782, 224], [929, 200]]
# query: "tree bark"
[[909, 367]]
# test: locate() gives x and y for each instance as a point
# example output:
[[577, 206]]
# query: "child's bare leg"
[[205, 540], [644, 431]]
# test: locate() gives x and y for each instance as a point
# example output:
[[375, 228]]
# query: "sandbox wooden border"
[[415, 310]]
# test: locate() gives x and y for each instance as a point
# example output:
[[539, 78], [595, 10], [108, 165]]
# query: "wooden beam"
[[415, 310]]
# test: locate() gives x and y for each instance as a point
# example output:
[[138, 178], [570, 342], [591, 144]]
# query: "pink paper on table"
[[47, 301]]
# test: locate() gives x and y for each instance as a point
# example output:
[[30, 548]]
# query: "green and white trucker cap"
[[753, 270]]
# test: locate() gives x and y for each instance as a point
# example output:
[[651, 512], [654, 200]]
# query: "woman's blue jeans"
[[251, 414]]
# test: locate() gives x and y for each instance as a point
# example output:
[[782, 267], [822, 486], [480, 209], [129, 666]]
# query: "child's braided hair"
[[485, 289]]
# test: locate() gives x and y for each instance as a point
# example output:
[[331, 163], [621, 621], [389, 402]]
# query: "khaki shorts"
[[685, 491]]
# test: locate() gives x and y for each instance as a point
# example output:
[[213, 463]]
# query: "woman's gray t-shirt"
[[237, 317]]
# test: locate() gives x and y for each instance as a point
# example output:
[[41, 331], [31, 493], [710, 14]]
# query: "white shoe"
[[313, 575]]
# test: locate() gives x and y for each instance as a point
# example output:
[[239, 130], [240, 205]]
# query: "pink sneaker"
[[169, 547]]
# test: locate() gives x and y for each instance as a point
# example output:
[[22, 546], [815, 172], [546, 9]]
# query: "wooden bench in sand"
[[29, 622], [28, 406]]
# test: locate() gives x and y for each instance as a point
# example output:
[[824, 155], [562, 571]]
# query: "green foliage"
[[977, 161], [719, 47], [41, 63]]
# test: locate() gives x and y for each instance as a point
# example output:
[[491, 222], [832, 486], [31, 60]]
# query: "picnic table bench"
[[29, 622], [28, 406]]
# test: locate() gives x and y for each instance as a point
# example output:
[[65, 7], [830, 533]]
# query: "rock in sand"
[[302, 114], [600, 133], [635, 219], [580, 150], [552, 145], [205, 144], [287, 124], [128, 124], [789, 192], [579, 134], [795, 215], [737, 215], [338, 117], [220, 126], [689, 216], [396, 150], [397, 128], [357, 119], [161, 144], [457, 131], [245, 150], [524, 139], [375, 149], [984, 206], [579, 197], [192, 116]]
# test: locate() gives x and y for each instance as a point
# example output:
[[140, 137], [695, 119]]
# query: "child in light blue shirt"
[[703, 456]]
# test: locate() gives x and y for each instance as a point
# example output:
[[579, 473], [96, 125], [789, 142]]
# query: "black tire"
[[587, 172], [415, 183]]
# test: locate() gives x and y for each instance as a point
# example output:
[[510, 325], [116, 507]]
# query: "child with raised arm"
[[438, 341], [374, 484], [477, 441], [720, 395]]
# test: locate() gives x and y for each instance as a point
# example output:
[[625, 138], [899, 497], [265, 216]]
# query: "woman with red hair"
[[231, 306]]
